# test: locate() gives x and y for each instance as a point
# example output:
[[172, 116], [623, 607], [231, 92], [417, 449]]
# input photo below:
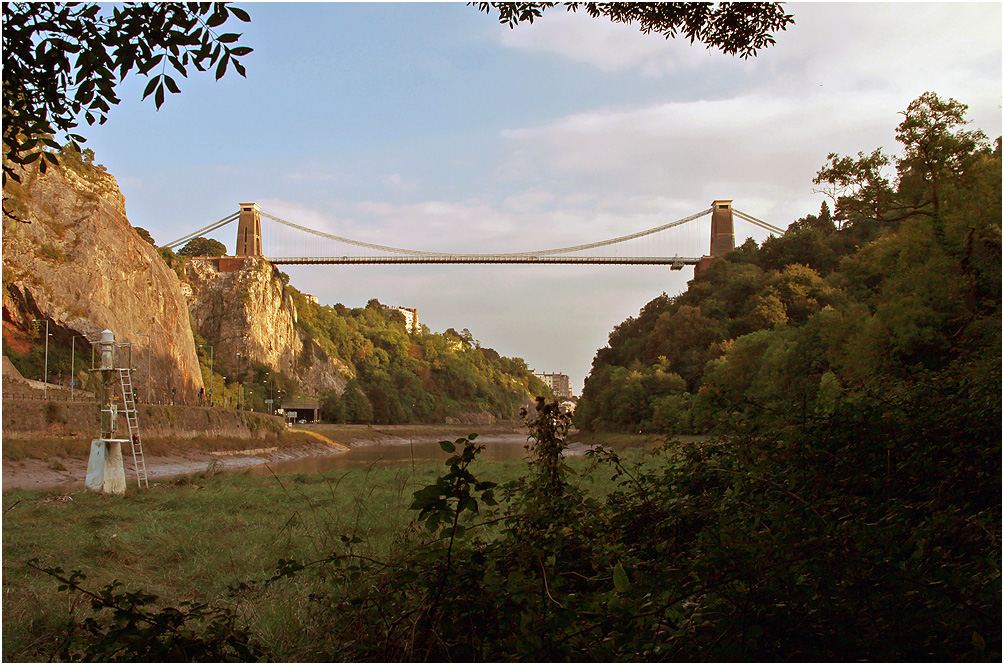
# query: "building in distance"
[[410, 318], [558, 382]]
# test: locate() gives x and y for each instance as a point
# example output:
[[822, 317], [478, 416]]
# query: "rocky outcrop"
[[71, 256], [246, 310]]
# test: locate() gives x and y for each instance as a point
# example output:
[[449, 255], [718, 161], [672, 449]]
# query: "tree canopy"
[[203, 247], [145, 235], [63, 61], [911, 254], [402, 377], [735, 28]]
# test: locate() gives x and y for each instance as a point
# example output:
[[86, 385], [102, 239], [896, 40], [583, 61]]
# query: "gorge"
[[237, 333]]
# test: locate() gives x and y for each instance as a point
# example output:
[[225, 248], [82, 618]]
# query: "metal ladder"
[[129, 401]]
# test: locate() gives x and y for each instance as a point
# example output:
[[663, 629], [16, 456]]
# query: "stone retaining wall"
[[24, 419]]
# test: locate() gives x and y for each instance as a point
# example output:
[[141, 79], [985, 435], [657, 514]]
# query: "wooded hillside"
[[900, 285], [403, 377]]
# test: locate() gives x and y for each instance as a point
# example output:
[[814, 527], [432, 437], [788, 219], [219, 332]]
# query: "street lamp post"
[[240, 384], [73, 355], [202, 346], [45, 378], [267, 382]]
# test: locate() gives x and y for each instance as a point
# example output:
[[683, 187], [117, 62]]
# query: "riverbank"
[[60, 463], [67, 473]]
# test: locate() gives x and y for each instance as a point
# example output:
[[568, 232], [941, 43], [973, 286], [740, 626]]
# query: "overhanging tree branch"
[[735, 28], [61, 63]]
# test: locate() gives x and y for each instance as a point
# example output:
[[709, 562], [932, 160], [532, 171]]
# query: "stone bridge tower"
[[249, 231], [723, 237]]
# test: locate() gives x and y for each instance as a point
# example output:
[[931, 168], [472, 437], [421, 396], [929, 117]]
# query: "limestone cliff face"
[[79, 263], [245, 309]]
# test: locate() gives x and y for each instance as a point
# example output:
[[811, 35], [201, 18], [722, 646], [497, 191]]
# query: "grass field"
[[194, 538]]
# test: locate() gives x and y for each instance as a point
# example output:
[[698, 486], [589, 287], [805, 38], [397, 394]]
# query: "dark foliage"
[[847, 509], [126, 626], [203, 247], [734, 28], [61, 61]]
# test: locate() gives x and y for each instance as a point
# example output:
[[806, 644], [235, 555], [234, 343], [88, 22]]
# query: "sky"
[[433, 127]]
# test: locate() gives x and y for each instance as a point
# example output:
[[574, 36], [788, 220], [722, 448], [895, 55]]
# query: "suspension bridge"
[[318, 247]]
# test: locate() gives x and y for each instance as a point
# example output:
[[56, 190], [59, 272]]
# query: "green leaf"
[[179, 66], [221, 69], [217, 19], [171, 85], [150, 87], [621, 581], [228, 38], [447, 446], [240, 14], [467, 503]]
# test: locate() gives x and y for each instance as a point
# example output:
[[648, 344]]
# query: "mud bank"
[[170, 459], [68, 473]]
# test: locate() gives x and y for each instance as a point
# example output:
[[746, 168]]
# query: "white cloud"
[[835, 82], [685, 154], [311, 176], [528, 200], [913, 47], [397, 181], [899, 46], [610, 47]]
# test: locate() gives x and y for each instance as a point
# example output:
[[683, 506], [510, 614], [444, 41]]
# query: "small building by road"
[[307, 409]]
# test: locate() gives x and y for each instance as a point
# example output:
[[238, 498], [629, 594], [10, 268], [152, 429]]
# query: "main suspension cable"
[[612, 241], [206, 229], [543, 252], [758, 222]]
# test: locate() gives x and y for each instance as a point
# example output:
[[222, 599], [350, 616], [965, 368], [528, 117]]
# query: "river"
[[402, 452], [390, 447]]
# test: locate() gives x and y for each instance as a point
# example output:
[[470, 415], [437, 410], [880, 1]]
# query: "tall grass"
[[197, 538]]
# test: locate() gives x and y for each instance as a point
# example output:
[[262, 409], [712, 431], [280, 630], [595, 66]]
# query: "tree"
[[61, 61], [936, 151], [935, 147], [741, 28], [203, 247], [145, 235]]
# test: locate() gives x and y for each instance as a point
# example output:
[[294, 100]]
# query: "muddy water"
[[397, 452]]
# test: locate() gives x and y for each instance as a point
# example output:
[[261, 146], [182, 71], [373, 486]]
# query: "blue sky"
[[432, 126]]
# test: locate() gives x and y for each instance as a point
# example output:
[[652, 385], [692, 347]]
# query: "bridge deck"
[[675, 262]]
